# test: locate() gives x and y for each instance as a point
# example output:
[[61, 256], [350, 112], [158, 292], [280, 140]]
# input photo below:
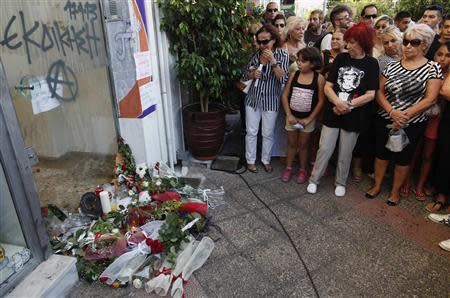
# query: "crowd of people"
[[376, 89]]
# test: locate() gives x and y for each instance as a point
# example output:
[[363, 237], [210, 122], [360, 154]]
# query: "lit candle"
[[105, 201]]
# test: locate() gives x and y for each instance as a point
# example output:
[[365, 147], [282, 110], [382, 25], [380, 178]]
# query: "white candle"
[[105, 201]]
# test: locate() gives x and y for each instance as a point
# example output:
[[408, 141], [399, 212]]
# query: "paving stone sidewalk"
[[352, 246]]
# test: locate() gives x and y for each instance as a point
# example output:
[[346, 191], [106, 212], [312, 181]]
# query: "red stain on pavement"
[[418, 229]]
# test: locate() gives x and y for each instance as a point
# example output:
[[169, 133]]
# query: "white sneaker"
[[312, 188], [439, 218], [339, 191], [445, 245]]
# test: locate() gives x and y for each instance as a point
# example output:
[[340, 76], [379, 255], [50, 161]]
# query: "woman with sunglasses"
[[350, 86], [407, 89], [292, 37], [381, 23], [269, 70], [279, 22]]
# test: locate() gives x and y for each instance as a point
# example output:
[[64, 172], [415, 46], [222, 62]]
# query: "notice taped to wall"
[[147, 96], [41, 97], [143, 65]]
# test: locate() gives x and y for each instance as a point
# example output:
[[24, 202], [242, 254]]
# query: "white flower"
[[145, 184], [141, 169], [158, 182], [130, 193]]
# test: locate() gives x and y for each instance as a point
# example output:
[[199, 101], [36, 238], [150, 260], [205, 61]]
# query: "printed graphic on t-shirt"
[[348, 81], [301, 99]]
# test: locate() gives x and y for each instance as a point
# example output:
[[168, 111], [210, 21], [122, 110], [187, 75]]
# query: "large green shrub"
[[207, 37]]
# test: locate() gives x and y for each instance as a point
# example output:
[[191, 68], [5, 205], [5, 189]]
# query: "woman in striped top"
[[269, 68], [407, 89]]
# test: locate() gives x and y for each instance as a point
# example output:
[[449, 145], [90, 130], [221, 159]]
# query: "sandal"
[[252, 168], [435, 207], [392, 203], [420, 196], [371, 195], [268, 168]]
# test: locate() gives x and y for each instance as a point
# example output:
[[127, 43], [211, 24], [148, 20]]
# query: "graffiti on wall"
[[36, 36]]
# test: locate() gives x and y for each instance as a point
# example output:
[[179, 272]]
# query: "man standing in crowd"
[[440, 38], [402, 20], [340, 19], [432, 16], [271, 12], [369, 13], [315, 30]]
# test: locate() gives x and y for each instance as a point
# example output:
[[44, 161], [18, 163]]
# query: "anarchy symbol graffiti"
[[59, 74]]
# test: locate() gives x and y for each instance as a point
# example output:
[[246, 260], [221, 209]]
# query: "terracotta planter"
[[204, 131]]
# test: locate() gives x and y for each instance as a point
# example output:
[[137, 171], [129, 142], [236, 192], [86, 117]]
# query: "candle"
[[106, 203]]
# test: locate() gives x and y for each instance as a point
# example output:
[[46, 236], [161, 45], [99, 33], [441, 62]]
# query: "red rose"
[[103, 279], [156, 247], [123, 167]]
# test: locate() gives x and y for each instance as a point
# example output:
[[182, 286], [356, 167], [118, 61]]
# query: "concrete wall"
[[60, 40]]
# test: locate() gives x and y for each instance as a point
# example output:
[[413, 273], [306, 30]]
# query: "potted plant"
[[207, 37]]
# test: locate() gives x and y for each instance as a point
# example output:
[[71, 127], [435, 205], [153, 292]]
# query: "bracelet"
[[274, 65]]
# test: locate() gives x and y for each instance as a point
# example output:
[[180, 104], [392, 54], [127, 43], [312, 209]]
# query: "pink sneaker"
[[302, 176], [286, 176]]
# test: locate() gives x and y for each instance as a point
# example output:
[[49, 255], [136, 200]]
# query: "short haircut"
[[279, 16], [384, 18], [393, 32], [363, 10], [269, 28], [311, 54], [291, 23], [446, 18], [339, 9], [401, 15], [317, 11], [363, 34], [422, 32], [435, 7]]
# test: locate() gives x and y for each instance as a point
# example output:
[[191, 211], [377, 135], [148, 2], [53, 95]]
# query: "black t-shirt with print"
[[351, 78]]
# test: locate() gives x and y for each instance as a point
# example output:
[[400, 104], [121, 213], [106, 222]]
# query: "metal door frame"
[[20, 180]]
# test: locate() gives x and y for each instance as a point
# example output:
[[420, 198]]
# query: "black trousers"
[[442, 170]]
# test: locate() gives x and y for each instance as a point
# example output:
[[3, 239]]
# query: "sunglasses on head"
[[269, 10], [370, 16], [413, 42], [263, 42], [279, 25]]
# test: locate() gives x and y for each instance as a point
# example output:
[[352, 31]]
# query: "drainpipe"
[[163, 65]]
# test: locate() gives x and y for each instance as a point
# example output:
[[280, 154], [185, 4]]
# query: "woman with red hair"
[[351, 84]]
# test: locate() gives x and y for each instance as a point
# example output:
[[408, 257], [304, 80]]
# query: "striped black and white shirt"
[[404, 88], [266, 95]]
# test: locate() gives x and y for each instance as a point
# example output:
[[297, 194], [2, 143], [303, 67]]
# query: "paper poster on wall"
[[147, 96], [143, 65], [41, 97]]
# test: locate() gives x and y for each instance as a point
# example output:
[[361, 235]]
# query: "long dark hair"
[[269, 28]]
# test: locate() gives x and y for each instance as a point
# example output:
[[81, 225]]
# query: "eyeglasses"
[[279, 25], [272, 10], [380, 26], [413, 42], [263, 42], [370, 16]]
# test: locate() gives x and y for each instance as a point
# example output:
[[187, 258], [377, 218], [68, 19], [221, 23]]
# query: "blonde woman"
[[293, 36], [381, 23], [391, 37]]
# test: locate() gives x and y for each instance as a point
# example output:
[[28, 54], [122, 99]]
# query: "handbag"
[[397, 140]]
